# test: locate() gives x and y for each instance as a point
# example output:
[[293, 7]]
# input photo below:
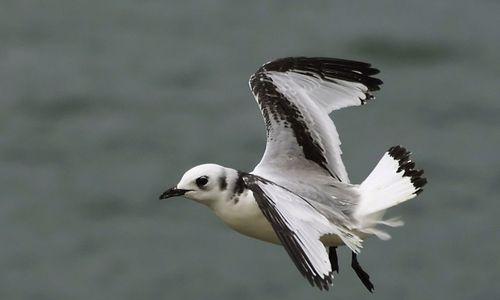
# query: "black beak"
[[173, 192]]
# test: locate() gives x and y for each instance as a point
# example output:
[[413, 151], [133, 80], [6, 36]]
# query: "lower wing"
[[299, 226]]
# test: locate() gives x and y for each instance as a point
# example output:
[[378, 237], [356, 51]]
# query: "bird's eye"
[[201, 181]]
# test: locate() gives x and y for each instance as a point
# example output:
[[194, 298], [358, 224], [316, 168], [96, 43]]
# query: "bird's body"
[[299, 195], [241, 212], [245, 216]]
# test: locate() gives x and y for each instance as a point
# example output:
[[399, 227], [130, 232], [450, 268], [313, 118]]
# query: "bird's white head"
[[204, 183]]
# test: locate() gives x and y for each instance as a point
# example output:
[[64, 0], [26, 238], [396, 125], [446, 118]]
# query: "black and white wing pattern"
[[299, 227], [295, 96]]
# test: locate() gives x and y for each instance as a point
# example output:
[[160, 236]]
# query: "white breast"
[[244, 215]]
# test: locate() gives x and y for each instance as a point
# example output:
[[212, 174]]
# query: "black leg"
[[365, 278], [332, 254]]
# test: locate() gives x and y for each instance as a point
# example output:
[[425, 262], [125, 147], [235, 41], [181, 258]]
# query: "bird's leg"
[[332, 254], [363, 276]]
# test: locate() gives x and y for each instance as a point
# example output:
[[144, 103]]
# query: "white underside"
[[246, 218]]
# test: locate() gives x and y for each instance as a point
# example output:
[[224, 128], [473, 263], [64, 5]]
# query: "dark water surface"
[[106, 103]]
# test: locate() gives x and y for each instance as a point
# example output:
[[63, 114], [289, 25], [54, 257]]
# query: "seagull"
[[299, 195]]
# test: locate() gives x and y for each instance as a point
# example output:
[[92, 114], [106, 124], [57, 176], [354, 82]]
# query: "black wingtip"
[[402, 155], [330, 69]]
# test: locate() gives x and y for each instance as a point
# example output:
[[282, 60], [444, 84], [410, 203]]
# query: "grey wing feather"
[[295, 95], [300, 225]]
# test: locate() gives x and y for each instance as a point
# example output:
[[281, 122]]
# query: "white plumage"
[[299, 195]]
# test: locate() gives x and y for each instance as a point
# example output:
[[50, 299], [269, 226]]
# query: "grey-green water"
[[104, 104]]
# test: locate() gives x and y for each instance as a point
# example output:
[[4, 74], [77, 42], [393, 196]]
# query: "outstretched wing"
[[295, 95], [299, 226]]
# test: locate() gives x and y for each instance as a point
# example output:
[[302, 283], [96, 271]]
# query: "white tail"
[[394, 180]]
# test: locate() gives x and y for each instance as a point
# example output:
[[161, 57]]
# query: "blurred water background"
[[104, 104]]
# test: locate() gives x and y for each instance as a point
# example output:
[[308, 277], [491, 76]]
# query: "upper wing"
[[295, 95], [299, 226]]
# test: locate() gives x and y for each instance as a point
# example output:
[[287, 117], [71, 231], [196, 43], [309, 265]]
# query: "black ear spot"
[[201, 181]]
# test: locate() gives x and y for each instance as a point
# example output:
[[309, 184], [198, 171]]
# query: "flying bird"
[[299, 195]]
